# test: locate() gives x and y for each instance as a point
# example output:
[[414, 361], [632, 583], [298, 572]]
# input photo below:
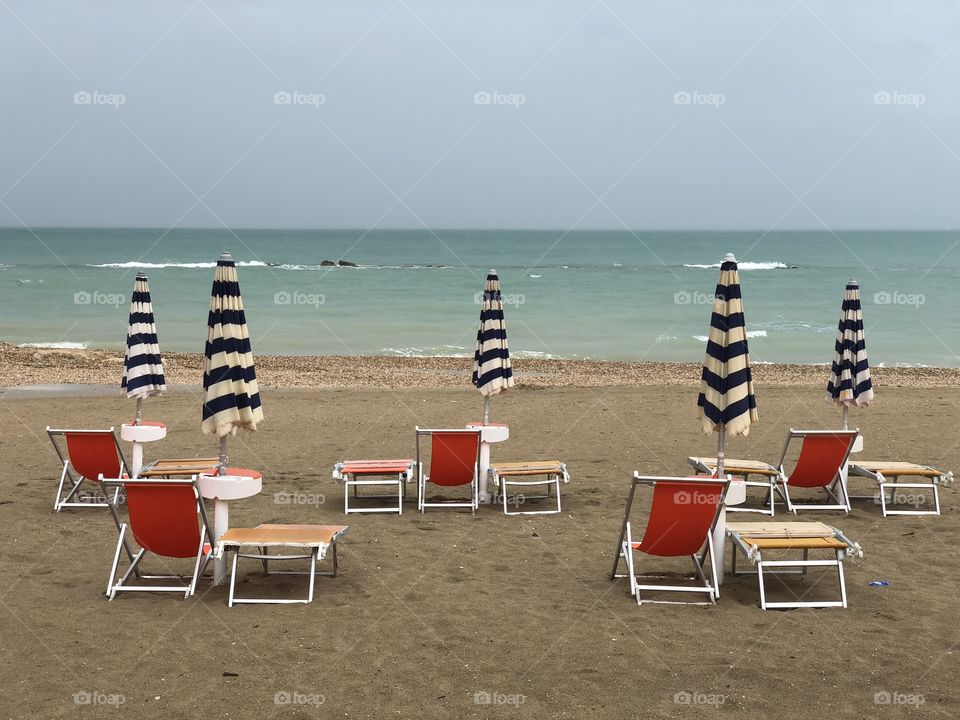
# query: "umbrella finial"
[[225, 255], [141, 275], [729, 257], [492, 271], [852, 281]]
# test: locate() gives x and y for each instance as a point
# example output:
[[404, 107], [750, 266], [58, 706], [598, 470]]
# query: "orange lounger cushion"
[[739, 467], [375, 467], [898, 468], [528, 468], [284, 535]]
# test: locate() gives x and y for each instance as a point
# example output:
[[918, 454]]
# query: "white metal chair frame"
[[710, 587], [423, 479], [793, 567], [76, 483], [122, 585], [503, 483]]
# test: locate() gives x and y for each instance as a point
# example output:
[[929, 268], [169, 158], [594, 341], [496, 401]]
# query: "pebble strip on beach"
[[34, 366]]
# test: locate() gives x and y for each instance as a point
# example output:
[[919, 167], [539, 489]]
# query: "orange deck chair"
[[682, 517], [454, 462], [166, 518], [85, 455], [823, 456]]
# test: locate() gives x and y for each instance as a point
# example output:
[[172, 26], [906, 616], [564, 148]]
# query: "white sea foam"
[[55, 345], [750, 334], [191, 266], [536, 276], [457, 351], [776, 265]]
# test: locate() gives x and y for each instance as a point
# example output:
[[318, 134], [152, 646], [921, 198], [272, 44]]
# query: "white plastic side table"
[[489, 434], [221, 489], [145, 432], [736, 495]]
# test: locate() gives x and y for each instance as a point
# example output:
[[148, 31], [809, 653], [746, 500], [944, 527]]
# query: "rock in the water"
[[346, 263], [327, 263]]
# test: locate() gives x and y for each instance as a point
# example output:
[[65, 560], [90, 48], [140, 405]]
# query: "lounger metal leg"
[[233, 577], [313, 574], [121, 543], [843, 585], [763, 594]]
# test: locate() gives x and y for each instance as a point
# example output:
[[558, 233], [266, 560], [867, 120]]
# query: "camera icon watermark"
[[285, 497], [288, 697], [684, 497], [895, 97], [98, 298], [296, 297], [684, 297], [486, 697], [516, 299], [93, 697], [696, 97], [698, 698], [495, 97], [295, 97], [888, 697], [95, 97], [896, 297]]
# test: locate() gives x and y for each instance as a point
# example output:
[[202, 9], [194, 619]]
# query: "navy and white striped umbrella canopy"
[[850, 382], [727, 400], [492, 370], [142, 366], [231, 397]]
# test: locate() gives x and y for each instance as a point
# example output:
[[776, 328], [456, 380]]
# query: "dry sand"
[[432, 609]]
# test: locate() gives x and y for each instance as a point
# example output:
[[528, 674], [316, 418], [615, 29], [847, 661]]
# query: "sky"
[[452, 114]]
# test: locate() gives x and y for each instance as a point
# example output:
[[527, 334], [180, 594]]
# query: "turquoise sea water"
[[582, 294]]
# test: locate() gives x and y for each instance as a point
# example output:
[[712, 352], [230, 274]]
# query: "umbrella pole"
[[223, 455], [139, 419], [846, 417], [721, 448], [486, 409]]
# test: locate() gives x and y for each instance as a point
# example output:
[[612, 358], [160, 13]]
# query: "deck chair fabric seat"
[[887, 474], [507, 475], [355, 474], [166, 518], [753, 539], [85, 455], [312, 541], [743, 469], [682, 517], [454, 463]]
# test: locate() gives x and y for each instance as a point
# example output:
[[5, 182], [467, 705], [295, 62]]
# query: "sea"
[[616, 295]]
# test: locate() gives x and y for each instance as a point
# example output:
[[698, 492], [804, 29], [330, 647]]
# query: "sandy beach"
[[432, 611]]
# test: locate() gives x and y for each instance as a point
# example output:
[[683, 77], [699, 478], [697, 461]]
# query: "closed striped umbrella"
[[142, 366], [231, 397], [492, 371], [727, 401], [850, 382]]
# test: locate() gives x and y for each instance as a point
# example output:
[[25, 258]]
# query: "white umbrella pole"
[[486, 409], [721, 448], [223, 455], [139, 419], [846, 417]]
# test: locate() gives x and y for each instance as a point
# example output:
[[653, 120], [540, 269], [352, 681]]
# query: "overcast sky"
[[543, 114]]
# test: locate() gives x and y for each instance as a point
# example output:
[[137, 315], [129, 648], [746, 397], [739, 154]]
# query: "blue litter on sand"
[[878, 583]]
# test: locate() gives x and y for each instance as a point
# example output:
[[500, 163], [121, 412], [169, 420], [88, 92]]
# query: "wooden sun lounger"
[[357, 473], [888, 473], [743, 469], [179, 467], [554, 470], [752, 539], [316, 539]]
